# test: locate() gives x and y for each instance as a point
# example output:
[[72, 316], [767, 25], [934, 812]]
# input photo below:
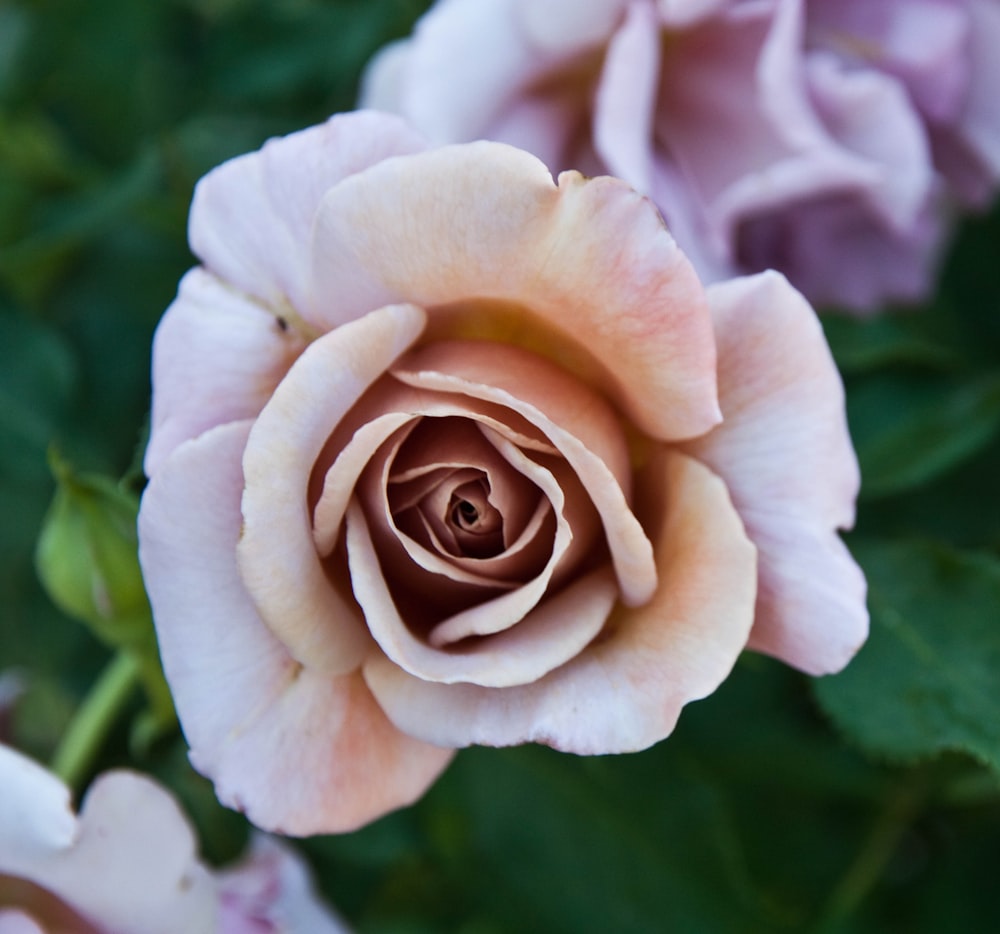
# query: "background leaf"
[[926, 681]]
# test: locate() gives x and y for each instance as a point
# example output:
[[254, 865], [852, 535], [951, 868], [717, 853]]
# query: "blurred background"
[[865, 802]]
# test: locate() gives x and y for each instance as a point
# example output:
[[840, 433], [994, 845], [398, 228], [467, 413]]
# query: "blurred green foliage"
[[864, 802]]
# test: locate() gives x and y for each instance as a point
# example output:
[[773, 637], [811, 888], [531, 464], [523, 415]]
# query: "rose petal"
[[871, 114], [554, 631], [626, 97], [217, 357], [499, 47], [786, 456], [567, 25], [320, 626], [252, 217], [272, 887], [552, 120], [298, 750], [383, 411], [490, 613], [739, 77], [625, 690], [979, 124], [588, 259], [681, 13], [814, 242], [127, 863], [13, 921], [479, 572], [921, 42], [583, 429]]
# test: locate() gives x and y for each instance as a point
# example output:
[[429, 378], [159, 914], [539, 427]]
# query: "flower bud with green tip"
[[87, 560], [87, 555]]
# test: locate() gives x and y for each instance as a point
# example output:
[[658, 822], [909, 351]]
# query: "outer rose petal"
[[317, 624], [499, 46], [102, 864], [813, 243], [589, 259], [13, 921], [626, 97], [251, 218], [270, 892], [625, 691], [217, 357], [300, 751], [979, 125], [739, 78], [786, 456], [870, 114]]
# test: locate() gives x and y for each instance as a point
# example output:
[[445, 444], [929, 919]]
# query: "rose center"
[[475, 522]]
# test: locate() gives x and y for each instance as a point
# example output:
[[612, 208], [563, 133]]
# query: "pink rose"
[[128, 865], [823, 138], [437, 459]]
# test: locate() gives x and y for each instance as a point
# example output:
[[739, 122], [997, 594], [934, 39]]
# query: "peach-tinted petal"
[[582, 428], [127, 863], [546, 636], [217, 357], [319, 625], [342, 477], [786, 456], [626, 97], [251, 218], [625, 690], [587, 259], [298, 750]]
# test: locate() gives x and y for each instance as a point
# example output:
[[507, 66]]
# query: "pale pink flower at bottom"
[[128, 865]]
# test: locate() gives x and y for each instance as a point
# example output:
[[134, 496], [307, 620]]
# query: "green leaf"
[[926, 681], [860, 345], [37, 378], [32, 266], [930, 439]]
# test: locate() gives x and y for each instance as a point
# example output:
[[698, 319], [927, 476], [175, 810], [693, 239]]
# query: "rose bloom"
[[829, 139], [127, 865], [437, 458]]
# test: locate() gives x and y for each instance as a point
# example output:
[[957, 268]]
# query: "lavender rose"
[[829, 139]]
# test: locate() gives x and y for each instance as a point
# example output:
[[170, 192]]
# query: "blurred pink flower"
[[436, 459], [127, 865], [828, 139]]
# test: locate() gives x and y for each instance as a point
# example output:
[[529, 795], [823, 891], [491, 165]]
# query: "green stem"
[[94, 719], [864, 873]]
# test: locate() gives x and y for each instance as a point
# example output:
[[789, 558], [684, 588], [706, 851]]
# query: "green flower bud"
[[87, 555]]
